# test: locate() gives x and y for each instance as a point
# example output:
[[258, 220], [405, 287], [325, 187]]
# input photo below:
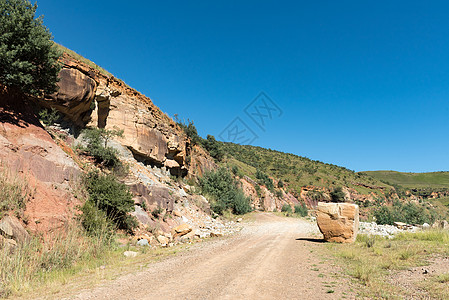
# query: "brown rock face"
[[201, 162], [338, 222], [154, 196], [75, 95]]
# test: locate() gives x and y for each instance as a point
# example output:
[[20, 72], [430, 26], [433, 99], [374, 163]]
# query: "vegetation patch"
[[28, 57], [225, 192], [371, 261], [407, 212], [301, 210], [83, 59], [97, 146], [108, 199], [39, 261]]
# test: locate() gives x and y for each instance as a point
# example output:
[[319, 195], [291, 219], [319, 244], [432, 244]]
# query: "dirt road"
[[270, 258]]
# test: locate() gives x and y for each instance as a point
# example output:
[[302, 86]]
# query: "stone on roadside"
[[216, 234], [130, 254], [163, 240], [338, 222], [143, 242], [181, 230]]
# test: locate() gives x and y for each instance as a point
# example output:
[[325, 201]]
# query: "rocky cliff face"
[[153, 147], [87, 97]]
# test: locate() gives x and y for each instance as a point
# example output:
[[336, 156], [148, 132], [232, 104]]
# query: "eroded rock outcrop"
[[88, 97], [200, 162], [76, 91], [338, 222]]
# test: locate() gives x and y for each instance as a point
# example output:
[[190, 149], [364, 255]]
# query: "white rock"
[[130, 253]]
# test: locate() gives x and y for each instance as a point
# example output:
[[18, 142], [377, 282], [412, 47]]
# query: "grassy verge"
[[374, 261], [39, 261], [69, 263]]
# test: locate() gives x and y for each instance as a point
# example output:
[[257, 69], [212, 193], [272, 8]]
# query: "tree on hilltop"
[[28, 56]]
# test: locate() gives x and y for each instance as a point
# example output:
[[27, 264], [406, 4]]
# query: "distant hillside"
[[297, 171], [413, 180]]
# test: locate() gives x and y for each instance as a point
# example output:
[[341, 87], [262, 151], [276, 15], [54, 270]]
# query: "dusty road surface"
[[270, 258]]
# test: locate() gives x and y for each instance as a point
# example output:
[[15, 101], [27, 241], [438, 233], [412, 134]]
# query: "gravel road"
[[271, 258]]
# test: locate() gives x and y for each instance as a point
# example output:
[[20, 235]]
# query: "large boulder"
[[338, 222]]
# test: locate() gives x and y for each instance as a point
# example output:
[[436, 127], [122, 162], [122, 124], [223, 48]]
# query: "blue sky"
[[362, 85]]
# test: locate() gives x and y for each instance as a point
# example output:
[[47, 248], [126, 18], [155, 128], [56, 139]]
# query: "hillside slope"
[[413, 180], [297, 172]]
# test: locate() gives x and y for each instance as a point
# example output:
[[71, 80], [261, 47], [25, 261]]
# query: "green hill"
[[433, 180], [297, 171]]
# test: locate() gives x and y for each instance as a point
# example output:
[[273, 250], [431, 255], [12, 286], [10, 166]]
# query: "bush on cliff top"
[[28, 57]]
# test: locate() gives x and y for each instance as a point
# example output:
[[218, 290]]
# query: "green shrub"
[[97, 146], [278, 194], [157, 212], [213, 147], [408, 212], [190, 131], [237, 172], [301, 210], [112, 197], [258, 190], [286, 208], [338, 195], [95, 221], [28, 57], [48, 116], [265, 180], [225, 192]]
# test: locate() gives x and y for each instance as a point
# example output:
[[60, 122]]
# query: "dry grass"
[[14, 192], [87, 273], [371, 261], [39, 261], [438, 286]]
